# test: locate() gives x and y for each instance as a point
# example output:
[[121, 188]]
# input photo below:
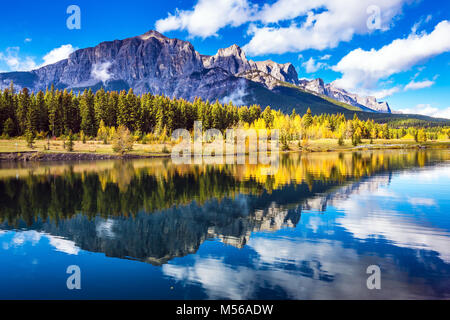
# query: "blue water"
[[298, 240]]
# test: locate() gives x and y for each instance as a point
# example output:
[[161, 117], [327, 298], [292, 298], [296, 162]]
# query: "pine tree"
[[42, 110], [217, 116], [24, 102], [9, 128], [33, 115], [307, 119], [103, 132], [268, 117], [29, 137], [55, 113], [87, 112], [101, 106], [127, 110], [160, 115], [70, 143], [112, 110]]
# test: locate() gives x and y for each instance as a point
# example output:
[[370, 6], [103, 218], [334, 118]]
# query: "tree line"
[[57, 113]]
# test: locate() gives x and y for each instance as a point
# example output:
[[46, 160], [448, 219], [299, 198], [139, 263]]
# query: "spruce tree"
[[24, 102], [307, 119], [42, 110], [33, 115], [87, 112]]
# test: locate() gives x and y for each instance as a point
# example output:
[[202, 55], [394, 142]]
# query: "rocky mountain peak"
[[231, 59], [370, 104], [316, 85], [233, 50], [284, 72], [153, 34]]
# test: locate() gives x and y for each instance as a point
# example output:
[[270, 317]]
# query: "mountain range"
[[155, 63]]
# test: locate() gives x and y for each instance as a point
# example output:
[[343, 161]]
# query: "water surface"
[[149, 229]]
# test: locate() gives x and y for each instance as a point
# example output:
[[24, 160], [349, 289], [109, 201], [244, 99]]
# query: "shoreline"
[[38, 156], [46, 156]]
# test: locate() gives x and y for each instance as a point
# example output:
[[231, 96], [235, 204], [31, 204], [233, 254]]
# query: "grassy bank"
[[97, 149], [91, 147], [328, 145]]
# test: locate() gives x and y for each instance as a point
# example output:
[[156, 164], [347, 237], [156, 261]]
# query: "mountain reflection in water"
[[153, 211]]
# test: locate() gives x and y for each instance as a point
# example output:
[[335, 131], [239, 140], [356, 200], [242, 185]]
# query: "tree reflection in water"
[[154, 211]]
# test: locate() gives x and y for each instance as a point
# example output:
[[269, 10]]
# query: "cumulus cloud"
[[428, 110], [312, 66], [15, 62], [58, 54], [363, 69], [326, 24], [207, 17]]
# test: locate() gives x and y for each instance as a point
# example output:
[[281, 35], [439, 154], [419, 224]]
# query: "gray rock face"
[[283, 72], [261, 77], [365, 103], [153, 63], [150, 63], [231, 59]]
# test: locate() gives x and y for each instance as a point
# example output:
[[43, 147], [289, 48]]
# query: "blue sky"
[[397, 50]]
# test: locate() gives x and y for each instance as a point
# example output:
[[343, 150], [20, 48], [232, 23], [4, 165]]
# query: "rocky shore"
[[45, 156]]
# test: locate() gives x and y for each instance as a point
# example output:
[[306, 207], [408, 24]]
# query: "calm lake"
[[149, 229]]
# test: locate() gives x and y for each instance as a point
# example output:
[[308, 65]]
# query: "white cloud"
[[58, 54], [421, 22], [28, 40], [326, 22], [413, 85], [312, 66], [363, 69], [100, 71], [335, 22], [237, 97], [207, 17], [14, 62], [287, 10], [383, 93], [428, 110], [11, 57]]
